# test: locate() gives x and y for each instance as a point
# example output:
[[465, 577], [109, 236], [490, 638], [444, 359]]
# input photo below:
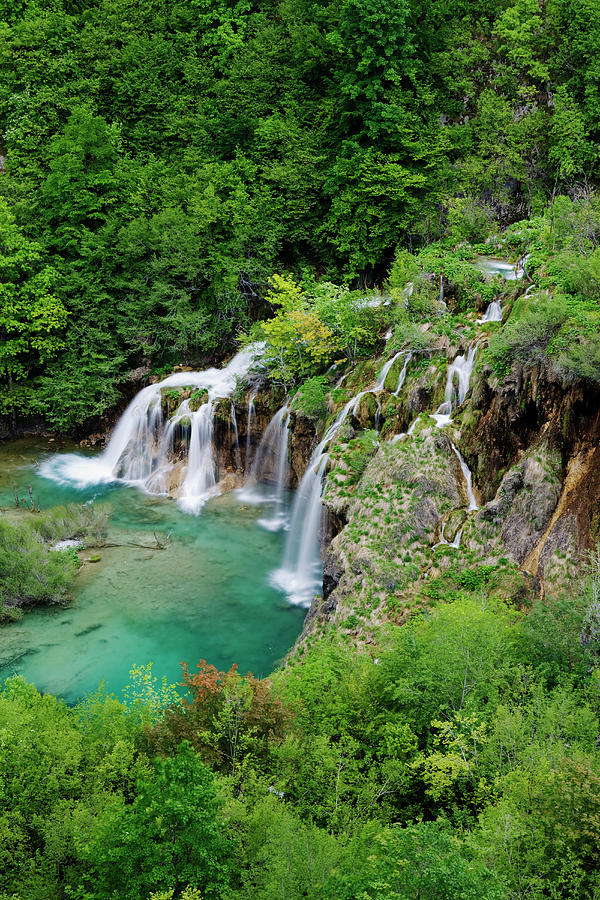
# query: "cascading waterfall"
[[460, 370], [468, 480], [236, 446], [457, 385], [271, 466], [140, 451], [402, 376], [492, 314], [251, 417], [492, 266], [200, 478], [379, 384], [455, 542], [300, 573]]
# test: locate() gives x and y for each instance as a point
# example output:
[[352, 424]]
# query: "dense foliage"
[[162, 159], [461, 761]]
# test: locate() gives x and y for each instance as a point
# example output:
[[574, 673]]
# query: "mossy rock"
[[367, 410], [197, 399], [223, 411], [454, 523], [171, 399]]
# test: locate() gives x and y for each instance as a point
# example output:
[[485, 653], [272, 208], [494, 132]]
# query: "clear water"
[[207, 596]]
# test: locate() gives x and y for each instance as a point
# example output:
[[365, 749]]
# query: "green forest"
[[161, 160], [183, 178]]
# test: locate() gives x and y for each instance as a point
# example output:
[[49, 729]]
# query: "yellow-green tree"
[[299, 343]]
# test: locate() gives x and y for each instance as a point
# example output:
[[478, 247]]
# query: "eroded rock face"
[[302, 444], [524, 503], [534, 445], [393, 514]]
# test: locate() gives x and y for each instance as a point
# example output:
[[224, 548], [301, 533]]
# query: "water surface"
[[206, 596]]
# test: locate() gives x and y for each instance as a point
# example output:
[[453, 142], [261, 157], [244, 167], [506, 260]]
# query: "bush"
[[576, 274], [527, 338], [311, 398], [31, 573], [88, 522]]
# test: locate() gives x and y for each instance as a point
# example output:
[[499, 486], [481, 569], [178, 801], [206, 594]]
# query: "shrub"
[[527, 338], [88, 522], [30, 572], [311, 398]]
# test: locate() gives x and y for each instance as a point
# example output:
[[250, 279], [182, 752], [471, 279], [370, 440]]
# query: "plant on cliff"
[[299, 343], [311, 398]]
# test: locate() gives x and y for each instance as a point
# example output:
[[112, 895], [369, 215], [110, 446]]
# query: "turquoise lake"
[[206, 596]]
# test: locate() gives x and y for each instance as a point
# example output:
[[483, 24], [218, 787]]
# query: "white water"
[[459, 376], [492, 314], [378, 386], [458, 381], [236, 446], [251, 417], [443, 415], [271, 466], [455, 542], [490, 265], [300, 573], [468, 479], [200, 477], [140, 449], [402, 376]]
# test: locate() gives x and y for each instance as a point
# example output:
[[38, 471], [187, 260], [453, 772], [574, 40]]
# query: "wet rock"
[[367, 410]]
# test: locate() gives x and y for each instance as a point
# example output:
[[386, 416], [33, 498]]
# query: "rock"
[[389, 525], [138, 374], [367, 410]]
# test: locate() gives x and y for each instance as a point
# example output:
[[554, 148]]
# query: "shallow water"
[[207, 596], [490, 265]]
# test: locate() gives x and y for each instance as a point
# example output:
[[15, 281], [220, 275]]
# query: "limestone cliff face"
[[533, 445], [535, 448]]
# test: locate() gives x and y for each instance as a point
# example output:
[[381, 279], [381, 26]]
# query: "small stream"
[[207, 596]]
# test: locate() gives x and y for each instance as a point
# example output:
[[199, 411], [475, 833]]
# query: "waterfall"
[[300, 574], [379, 384], [441, 295], [251, 415], [492, 314], [271, 466], [455, 542], [402, 376], [491, 266], [236, 446], [140, 450], [468, 479], [461, 370], [200, 479]]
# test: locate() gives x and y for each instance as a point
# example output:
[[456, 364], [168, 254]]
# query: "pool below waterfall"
[[207, 595]]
